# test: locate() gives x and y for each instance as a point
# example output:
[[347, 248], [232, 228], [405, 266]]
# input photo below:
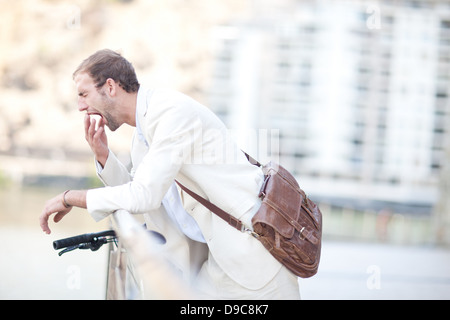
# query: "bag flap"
[[266, 215], [282, 202], [279, 175], [280, 207], [284, 196]]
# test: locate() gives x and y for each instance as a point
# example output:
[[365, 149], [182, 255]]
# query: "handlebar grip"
[[82, 238]]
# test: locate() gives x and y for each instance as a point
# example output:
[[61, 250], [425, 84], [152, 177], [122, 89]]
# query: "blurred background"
[[350, 96]]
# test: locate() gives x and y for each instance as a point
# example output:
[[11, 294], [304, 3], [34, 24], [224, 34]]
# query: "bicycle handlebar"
[[82, 238]]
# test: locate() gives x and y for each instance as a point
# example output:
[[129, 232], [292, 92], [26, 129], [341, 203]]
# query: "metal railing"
[[136, 268]]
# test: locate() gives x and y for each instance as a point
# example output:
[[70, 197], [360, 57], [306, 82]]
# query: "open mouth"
[[97, 117], [94, 114]]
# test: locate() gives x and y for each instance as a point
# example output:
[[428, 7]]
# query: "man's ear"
[[111, 87]]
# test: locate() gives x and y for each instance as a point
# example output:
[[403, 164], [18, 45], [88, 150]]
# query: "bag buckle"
[[302, 237], [249, 231]]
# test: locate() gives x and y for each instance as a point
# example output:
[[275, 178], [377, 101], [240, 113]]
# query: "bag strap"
[[232, 221], [252, 160]]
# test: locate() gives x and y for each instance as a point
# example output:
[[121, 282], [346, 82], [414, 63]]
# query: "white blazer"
[[187, 142]]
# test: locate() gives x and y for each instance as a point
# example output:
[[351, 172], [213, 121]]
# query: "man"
[[176, 138]]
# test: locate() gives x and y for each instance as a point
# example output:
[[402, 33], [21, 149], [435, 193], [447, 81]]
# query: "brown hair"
[[106, 64]]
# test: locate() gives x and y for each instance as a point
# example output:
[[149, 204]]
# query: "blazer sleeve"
[[114, 173]]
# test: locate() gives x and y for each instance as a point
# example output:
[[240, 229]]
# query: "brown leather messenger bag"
[[288, 224]]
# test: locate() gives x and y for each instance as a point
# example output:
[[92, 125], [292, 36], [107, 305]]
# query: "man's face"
[[95, 102]]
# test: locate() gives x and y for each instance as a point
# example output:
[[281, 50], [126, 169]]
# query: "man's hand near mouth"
[[96, 138]]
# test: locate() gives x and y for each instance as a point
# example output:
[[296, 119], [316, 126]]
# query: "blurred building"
[[358, 91]]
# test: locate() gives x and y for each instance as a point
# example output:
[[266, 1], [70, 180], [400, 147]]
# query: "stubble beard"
[[111, 121]]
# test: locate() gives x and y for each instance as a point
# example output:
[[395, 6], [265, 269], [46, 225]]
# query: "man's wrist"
[[74, 198], [64, 200], [102, 159]]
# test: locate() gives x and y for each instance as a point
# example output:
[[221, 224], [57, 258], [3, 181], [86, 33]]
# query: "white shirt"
[[176, 212], [171, 200]]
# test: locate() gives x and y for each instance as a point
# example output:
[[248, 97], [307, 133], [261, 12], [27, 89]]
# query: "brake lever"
[[68, 249]]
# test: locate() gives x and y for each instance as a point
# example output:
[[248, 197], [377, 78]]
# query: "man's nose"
[[82, 106]]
